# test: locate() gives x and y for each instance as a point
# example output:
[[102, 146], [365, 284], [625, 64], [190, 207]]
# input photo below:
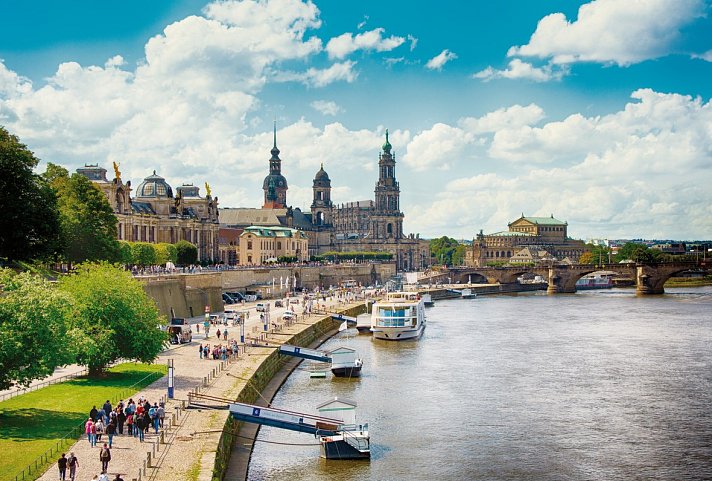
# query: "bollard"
[[153, 450], [162, 440]]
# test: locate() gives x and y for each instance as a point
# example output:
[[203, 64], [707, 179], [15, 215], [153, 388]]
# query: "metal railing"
[[36, 468]]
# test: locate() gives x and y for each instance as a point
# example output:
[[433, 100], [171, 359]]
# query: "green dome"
[[387, 146]]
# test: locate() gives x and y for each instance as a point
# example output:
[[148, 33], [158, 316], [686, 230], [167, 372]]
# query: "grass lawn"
[[33, 423]]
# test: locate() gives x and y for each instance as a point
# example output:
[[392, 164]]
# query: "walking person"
[[105, 457], [62, 465], [99, 430], [73, 463], [139, 426], [110, 431], [200, 351], [130, 424], [161, 414], [121, 418], [90, 432], [225, 334], [103, 477]]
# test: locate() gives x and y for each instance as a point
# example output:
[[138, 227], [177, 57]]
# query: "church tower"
[[275, 185], [322, 207], [387, 219]]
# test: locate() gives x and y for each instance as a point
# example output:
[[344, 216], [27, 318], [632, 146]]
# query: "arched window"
[[389, 228]]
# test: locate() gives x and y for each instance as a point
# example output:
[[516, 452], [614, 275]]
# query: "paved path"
[[192, 444]]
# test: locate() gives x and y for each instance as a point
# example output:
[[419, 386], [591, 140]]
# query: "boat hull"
[[340, 449], [346, 371], [397, 334]]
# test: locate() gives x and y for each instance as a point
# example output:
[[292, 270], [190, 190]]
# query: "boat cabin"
[[343, 355], [402, 297], [341, 409]]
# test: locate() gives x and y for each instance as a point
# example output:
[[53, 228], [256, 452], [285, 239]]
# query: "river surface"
[[598, 385]]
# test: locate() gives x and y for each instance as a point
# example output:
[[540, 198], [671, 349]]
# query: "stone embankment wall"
[[262, 376], [186, 295]]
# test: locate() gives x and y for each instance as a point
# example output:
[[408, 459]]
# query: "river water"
[[598, 385]]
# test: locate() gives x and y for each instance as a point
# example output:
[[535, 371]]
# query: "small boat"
[[350, 440], [427, 300], [345, 362], [468, 294], [592, 281], [363, 323], [399, 317]]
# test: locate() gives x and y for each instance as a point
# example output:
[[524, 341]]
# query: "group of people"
[[134, 418], [218, 352]]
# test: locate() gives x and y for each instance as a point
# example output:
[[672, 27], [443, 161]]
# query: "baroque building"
[[529, 239], [371, 225], [155, 215]]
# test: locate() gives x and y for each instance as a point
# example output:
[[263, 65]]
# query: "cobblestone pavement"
[[190, 444]]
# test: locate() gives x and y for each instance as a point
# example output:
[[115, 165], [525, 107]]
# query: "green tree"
[[115, 316], [143, 254], [125, 256], [165, 253], [187, 253], [87, 220], [29, 223], [595, 254], [34, 337], [447, 251]]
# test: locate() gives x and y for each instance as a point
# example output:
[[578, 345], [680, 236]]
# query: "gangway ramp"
[[304, 353]]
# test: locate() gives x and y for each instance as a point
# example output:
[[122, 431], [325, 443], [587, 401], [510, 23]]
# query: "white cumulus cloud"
[[517, 69], [439, 61], [347, 43], [326, 107], [612, 31]]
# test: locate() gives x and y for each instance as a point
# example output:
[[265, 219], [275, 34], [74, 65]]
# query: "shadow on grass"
[[28, 424]]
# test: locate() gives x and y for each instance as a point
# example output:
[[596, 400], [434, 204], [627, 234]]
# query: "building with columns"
[[155, 215], [529, 239]]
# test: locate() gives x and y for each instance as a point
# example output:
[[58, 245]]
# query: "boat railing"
[[357, 442]]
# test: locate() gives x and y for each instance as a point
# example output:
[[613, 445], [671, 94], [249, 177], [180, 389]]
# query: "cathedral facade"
[[371, 225], [155, 215]]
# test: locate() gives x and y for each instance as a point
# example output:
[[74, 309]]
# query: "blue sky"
[[597, 112]]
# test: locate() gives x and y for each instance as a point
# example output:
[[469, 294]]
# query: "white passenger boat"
[[398, 317]]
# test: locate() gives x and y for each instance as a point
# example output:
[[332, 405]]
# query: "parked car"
[[294, 300], [238, 296], [227, 299], [278, 303], [262, 307]]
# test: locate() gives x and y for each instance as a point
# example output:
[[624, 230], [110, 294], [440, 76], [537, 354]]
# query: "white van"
[[180, 331], [262, 306]]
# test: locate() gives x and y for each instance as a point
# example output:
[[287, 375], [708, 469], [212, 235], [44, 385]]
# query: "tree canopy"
[[186, 253], [35, 337], [29, 224], [88, 223], [115, 316], [447, 251]]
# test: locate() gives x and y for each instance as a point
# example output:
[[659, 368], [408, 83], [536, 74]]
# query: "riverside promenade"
[[186, 448]]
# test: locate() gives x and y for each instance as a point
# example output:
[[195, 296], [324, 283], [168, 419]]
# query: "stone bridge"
[[649, 279]]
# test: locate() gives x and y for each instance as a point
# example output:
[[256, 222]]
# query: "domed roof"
[[279, 181], [322, 175], [154, 186], [387, 146]]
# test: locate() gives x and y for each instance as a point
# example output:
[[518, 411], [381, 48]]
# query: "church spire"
[[275, 150]]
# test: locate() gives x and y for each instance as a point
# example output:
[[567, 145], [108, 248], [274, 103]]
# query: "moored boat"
[[399, 317], [427, 300], [345, 362]]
